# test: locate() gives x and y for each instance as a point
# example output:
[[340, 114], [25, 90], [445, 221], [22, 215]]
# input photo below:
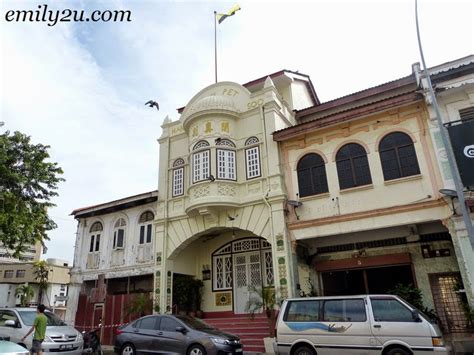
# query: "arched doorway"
[[239, 264]]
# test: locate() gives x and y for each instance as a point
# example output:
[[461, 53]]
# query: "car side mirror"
[[181, 330], [10, 323], [415, 315]]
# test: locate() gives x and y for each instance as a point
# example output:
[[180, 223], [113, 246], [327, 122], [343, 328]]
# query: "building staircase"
[[250, 330]]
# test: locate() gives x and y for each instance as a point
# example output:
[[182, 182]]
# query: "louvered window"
[[398, 156], [119, 234], [352, 166], [146, 227], [312, 178], [467, 113]]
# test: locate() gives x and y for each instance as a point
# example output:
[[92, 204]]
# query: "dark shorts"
[[36, 346]]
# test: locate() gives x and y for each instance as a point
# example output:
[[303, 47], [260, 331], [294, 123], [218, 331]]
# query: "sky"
[[80, 87]]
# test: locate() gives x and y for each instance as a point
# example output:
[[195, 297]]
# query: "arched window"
[[398, 156], [94, 232], [252, 158], [178, 177], [146, 227], [352, 166], [312, 175], [119, 233], [201, 162], [225, 159]]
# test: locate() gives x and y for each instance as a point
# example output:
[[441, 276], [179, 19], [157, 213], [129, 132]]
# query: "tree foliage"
[[26, 293], [41, 272], [28, 181]]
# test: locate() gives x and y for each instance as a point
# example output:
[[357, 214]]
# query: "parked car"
[[60, 338], [10, 348], [368, 324], [168, 334]]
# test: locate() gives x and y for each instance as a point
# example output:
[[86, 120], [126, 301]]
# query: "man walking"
[[39, 326]]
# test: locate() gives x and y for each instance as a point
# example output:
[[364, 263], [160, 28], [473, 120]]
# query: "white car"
[[9, 348], [365, 324], [60, 338]]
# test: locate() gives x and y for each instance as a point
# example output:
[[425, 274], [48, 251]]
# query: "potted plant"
[[140, 305], [263, 299]]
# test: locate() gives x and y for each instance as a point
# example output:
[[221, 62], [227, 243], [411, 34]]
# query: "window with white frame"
[[146, 227], [223, 272], [119, 234], [226, 160], [222, 262], [201, 162], [178, 178], [252, 158], [94, 233]]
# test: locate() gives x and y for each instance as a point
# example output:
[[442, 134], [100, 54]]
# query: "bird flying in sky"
[[152, 103]]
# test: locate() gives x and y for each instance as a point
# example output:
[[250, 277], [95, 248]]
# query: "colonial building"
[[113, 255], [262, 185], [368, 215], [221, 207]]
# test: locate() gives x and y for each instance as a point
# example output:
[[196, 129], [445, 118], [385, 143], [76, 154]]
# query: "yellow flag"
[[222, 17]]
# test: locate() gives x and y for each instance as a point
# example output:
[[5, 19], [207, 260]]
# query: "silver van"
[[367, 324], [60, 338]]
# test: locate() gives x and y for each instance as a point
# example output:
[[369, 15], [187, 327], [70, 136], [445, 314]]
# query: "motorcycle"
[[92, 342]]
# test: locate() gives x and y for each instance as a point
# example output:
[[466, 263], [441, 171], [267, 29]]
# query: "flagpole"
[[215, 45]]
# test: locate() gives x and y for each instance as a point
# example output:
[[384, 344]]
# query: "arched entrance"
[[240, 264]]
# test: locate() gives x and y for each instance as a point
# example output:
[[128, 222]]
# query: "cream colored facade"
[[371, 237], [454, 82], [211, 213]]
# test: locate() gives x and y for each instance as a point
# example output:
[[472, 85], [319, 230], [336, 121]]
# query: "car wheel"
[[196, 349], [304, 350], [127, 349], [398, 351]]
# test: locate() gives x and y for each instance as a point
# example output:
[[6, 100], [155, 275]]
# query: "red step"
[[251, 331]]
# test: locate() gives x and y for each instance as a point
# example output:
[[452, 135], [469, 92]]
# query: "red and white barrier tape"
[[96, 326]]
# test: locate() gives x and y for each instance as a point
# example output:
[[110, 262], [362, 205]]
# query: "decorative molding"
[[366, 214], [226, 190], [201, 191]]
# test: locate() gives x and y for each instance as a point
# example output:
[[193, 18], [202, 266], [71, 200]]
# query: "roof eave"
[[370, 109]]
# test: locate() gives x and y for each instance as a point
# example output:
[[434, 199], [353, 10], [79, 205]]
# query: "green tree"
[[41, 276], [26, 293], [28, 181]]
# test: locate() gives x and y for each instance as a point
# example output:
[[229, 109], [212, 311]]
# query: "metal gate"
[[449, 302]]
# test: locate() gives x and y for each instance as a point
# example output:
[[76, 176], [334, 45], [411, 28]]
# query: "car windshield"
[[194, 322], [28, 318]]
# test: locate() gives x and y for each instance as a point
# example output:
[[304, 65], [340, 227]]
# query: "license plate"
[[238, 350], [66, 346]]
